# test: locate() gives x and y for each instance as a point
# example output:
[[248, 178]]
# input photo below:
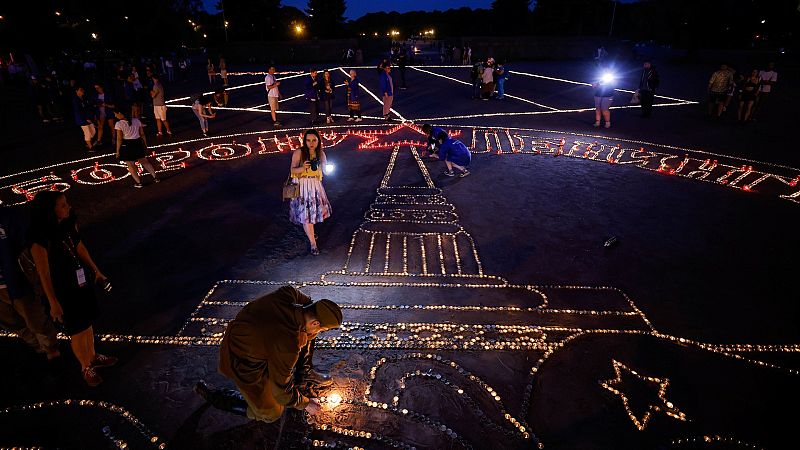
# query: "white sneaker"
[[359, 119], [608, 125], [350, 119], [597, 124]]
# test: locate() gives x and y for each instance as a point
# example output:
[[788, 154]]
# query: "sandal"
[[315, 251]]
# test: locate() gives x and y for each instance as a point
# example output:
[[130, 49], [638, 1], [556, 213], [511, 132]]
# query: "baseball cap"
[[328, 313]]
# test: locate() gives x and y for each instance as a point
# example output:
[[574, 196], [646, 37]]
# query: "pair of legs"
[[450, 166], [273, 109], [27, 318], [211, 77], [387, 105], [602, 109], [101, 125], [160, 113], [328, 105], [313, 109], [203, 122], [89, 132], [134, 171], [355, 113], [716, 103], [746, 110], [646, 99], [501, 88]]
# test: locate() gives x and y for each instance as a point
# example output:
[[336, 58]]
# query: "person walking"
[[273, 95], [748, 96], [267, 351], [223, 71], [387, 89], [454, 154], [327, 95], [67, 272], [132, 146], [21, 309], [312, 95], [501, 75], [603, 97], [104, 105], [648, 83], [159, 106], [202, 110], [212, 73], [718, 86], [768, 80], [311, 206], [353, 103], [84, 116], [402, 62]]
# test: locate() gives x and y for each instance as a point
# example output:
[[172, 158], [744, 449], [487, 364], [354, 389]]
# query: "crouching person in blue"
[[454, 154]]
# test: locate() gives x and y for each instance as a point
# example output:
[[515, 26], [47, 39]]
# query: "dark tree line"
[[158, 24]]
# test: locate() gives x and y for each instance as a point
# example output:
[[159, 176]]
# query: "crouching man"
[[267, 351]]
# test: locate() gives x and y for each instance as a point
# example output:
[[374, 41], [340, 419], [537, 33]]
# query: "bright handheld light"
[[607, 77], [329, 168]]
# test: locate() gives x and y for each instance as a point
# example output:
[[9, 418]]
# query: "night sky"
[[357, 8]]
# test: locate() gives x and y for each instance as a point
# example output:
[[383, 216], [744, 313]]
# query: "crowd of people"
[[748, 90]]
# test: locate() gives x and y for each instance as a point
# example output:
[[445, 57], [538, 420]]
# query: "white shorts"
[[88, 132], [160, 112]]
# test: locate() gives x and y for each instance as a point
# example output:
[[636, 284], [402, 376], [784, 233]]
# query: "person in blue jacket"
[[312, 95], [387, 89], [454, 154], [432, 133]]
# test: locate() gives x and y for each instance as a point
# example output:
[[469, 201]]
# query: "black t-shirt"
[[62, 253]]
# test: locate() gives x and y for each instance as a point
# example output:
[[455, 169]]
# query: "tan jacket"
[[261, 347]]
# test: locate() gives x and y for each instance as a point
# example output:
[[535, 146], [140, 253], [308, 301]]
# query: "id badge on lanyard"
[[81, 275], [80, 272]]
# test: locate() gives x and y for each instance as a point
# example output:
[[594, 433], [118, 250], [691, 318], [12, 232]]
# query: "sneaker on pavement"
[[608, 125], [359, 119], [157, 180], [597, 125], [159, 134], [350, 119], [91, 376], [103, 361], [449, 173], [137, 185], [464, 173]]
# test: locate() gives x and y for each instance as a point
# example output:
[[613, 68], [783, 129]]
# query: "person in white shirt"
[[768, 79], [131, 146], [273, 94]]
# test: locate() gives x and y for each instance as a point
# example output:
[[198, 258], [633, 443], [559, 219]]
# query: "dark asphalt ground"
[[701, 261]]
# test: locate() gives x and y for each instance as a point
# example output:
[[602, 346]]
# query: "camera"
[[314, 163]]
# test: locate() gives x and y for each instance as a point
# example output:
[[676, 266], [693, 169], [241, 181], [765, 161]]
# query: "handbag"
[[636, 98], [290, 190]]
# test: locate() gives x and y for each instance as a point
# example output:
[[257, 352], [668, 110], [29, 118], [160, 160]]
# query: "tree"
[[511, 16], [326, 17]]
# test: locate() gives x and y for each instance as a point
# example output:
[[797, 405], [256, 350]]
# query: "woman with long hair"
[[67, 272], [202, 110], [748, 95], [312, 205], [326, 95], [132, 146]]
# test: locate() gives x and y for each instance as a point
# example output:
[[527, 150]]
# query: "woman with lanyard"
[[312, 205], [131, 146], [67, 272]]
